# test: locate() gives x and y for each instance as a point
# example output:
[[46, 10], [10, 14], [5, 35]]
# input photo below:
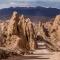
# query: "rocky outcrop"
[[49, 33], [18, 34], [55, 32], [12, 26], [30, 34]]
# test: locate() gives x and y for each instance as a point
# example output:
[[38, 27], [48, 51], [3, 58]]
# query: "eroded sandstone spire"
[[12, 26], [20, 34]]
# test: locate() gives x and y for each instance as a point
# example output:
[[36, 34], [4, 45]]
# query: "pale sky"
[[4, 1], [24, 3]]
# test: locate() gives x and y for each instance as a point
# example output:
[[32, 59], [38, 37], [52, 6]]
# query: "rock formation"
[[12, 26], [49, 33], [30, 34], [19, 34], [55, 32]]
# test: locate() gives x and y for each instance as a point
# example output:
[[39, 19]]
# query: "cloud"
[[5, 1], [12, 3], [16, 4], [28, 3]]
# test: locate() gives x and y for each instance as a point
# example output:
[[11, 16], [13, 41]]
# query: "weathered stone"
[[19, 34], [55, 35], [12, 26]]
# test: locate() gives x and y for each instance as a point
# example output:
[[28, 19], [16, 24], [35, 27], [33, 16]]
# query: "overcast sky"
[[23, 3], [4, 1]]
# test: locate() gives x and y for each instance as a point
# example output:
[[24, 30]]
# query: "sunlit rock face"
[[55, 35], [50, 33], [12, 26], [17, 34]]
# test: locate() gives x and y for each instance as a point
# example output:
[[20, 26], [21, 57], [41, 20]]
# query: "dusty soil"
[[55, 56]]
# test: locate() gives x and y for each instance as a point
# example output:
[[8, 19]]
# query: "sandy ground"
[[55, 56], [39, 54]]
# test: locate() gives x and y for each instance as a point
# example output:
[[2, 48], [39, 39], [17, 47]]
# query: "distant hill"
[[29, 11]]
